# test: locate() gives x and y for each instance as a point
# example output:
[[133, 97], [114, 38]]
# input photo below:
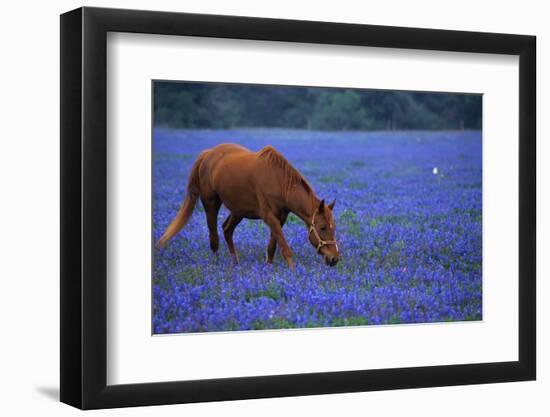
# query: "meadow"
[[409, 229]]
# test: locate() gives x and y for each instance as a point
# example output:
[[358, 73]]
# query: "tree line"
[[222, 106]]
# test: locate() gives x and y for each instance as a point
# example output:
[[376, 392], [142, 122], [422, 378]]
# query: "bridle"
[[320, 241]]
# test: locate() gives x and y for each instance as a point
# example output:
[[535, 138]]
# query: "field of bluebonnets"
[[408, 217]]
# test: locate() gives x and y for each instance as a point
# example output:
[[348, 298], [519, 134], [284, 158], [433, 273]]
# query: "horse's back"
[[233, 163], [228, 148], [227, 170], [226, 156]]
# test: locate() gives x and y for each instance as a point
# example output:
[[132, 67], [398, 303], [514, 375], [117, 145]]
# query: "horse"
[[255, 185]]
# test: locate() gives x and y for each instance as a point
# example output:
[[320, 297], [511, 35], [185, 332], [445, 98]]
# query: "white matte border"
[[135, 356]]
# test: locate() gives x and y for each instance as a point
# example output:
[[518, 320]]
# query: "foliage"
[[221, 106]]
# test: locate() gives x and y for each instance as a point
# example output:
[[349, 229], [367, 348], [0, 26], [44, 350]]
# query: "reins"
[[320, 241]]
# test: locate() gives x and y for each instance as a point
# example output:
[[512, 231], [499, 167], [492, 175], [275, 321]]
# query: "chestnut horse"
[[255, 185]]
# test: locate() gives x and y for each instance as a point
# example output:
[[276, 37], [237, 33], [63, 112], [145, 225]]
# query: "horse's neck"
[[302, 203]]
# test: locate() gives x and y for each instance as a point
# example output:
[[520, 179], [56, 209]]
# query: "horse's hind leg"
[[272, 245], [229, 226], [212, 207]]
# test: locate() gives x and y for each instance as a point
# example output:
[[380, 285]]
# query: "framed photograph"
[[256, 208]]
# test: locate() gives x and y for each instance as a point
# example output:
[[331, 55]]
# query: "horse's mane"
[[291, 176]]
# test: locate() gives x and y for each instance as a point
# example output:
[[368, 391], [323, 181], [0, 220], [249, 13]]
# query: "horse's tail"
[[187, 207]]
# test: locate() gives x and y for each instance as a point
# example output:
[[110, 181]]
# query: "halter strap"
[[320, 241]]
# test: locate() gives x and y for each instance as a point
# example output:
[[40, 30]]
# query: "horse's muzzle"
[[331, 261]]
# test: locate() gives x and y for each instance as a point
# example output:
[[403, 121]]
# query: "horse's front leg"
[[277, 233], [272, 245]]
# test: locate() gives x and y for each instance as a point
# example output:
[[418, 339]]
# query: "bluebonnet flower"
[[409, 218]]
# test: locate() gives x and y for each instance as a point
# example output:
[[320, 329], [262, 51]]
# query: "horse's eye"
[[323, 229]]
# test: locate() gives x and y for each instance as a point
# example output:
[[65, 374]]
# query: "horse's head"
[[322, 232]]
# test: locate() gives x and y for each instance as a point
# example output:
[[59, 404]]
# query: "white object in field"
[[435, 171]]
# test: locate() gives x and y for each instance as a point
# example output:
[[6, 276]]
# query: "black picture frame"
[[84, 207]]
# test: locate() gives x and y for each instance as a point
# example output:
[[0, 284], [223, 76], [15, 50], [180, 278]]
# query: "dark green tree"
[[220, 106]]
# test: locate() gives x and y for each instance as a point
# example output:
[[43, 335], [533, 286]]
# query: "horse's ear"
[[322, 206], [331, 205]]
